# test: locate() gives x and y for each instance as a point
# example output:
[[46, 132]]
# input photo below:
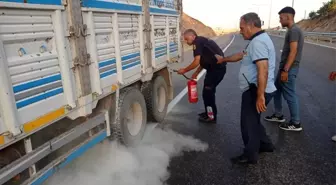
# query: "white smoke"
[[112, 164]]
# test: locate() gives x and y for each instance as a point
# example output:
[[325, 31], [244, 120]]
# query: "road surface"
[[308, 157]]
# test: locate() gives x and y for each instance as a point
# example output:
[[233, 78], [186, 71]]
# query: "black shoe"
[[207, 120], [242, 159], [275, 118], [291, 127], [266, 150], [203, 115]]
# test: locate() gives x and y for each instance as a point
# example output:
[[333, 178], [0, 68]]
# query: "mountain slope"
[[320, 24], [201, 29], [323, 20]]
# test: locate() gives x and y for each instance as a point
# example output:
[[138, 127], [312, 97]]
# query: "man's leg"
[[244, 121], [265, 142], [218, 77], [278, 96], [289, 93], [209, 91], [277, 116], [207, 95], [204, 96], [250, 128], [209, 99]]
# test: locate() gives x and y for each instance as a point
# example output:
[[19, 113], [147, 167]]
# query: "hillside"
[[322, 20], [201, 29], [320, 23]]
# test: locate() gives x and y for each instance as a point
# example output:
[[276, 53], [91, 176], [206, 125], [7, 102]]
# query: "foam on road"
[[112, 164]]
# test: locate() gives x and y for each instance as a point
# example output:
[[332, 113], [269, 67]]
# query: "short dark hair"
[[287, 9], [252, 18], [190, 31]]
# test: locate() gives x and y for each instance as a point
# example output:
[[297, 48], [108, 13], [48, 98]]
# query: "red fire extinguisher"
[[192, 91]]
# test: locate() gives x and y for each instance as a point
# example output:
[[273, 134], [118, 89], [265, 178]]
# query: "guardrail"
[[326, 37]]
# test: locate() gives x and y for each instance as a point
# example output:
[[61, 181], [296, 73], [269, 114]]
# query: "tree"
[[312, 15], [327, 8]]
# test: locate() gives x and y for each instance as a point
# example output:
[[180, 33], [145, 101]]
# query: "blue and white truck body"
[[75, 72]]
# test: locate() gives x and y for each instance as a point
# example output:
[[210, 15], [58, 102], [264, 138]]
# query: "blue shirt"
[[260, 48]]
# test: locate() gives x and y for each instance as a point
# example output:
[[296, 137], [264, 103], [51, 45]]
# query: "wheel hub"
[[134, 119]]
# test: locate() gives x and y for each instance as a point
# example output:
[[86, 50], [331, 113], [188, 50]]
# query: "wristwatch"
[[284, 70]]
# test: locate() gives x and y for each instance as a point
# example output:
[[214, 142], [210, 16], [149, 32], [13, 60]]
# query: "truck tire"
[[156, 95], [131, 117]]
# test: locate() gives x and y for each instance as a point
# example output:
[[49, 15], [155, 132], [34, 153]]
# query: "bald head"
[[189, 36]]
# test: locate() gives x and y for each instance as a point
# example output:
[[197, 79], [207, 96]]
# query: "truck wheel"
[[131, 117], [156, 95]]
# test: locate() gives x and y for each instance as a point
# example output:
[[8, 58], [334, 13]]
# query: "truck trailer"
[[76, 72]]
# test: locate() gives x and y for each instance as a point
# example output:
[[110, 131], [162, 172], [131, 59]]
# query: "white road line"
[[308, 42], [178, 98]]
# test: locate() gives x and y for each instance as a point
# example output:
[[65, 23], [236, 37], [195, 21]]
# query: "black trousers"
[[211, 81], [253, 132]]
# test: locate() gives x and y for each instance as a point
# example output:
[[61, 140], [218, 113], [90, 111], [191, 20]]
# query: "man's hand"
[[284, 76], [332, 76], [220, 59], [194, 76], [233, 58], [261, 104], [181, 71]]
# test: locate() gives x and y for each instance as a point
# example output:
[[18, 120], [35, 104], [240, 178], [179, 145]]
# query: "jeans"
[[253, 132], [211, 81], [288, 91]]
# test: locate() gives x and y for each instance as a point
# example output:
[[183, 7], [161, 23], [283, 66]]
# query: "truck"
[[76, 72]]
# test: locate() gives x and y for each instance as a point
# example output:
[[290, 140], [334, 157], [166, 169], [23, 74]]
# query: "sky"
[[226, 13]]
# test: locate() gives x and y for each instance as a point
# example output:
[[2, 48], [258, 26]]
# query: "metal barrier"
[[323, 37]]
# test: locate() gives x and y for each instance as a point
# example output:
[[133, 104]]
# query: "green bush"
[[312, 15], [327, 8]]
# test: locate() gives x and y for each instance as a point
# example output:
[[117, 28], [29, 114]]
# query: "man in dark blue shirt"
[[204, 58]]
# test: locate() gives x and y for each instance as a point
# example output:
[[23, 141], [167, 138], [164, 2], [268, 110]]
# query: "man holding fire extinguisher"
[[204, 58]]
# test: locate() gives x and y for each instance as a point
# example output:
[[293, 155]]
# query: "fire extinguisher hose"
[[183, 75]]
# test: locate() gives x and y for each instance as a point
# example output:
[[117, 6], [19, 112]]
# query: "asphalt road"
[[308, 157]]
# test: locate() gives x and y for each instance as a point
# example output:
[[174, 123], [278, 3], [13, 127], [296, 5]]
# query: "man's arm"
[[292, 55], [199, 69], [294, 37], [260, 57], [233, 58], [196, 73], [192, 66], [262, 67], [198, 51]]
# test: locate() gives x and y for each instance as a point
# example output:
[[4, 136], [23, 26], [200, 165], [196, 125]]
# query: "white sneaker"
[[334, 138]]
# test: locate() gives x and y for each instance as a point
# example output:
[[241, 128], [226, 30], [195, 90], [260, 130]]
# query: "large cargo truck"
[[76, 72]]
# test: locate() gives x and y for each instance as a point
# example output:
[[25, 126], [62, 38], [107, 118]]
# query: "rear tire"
[[156, 95], [131, 117]]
